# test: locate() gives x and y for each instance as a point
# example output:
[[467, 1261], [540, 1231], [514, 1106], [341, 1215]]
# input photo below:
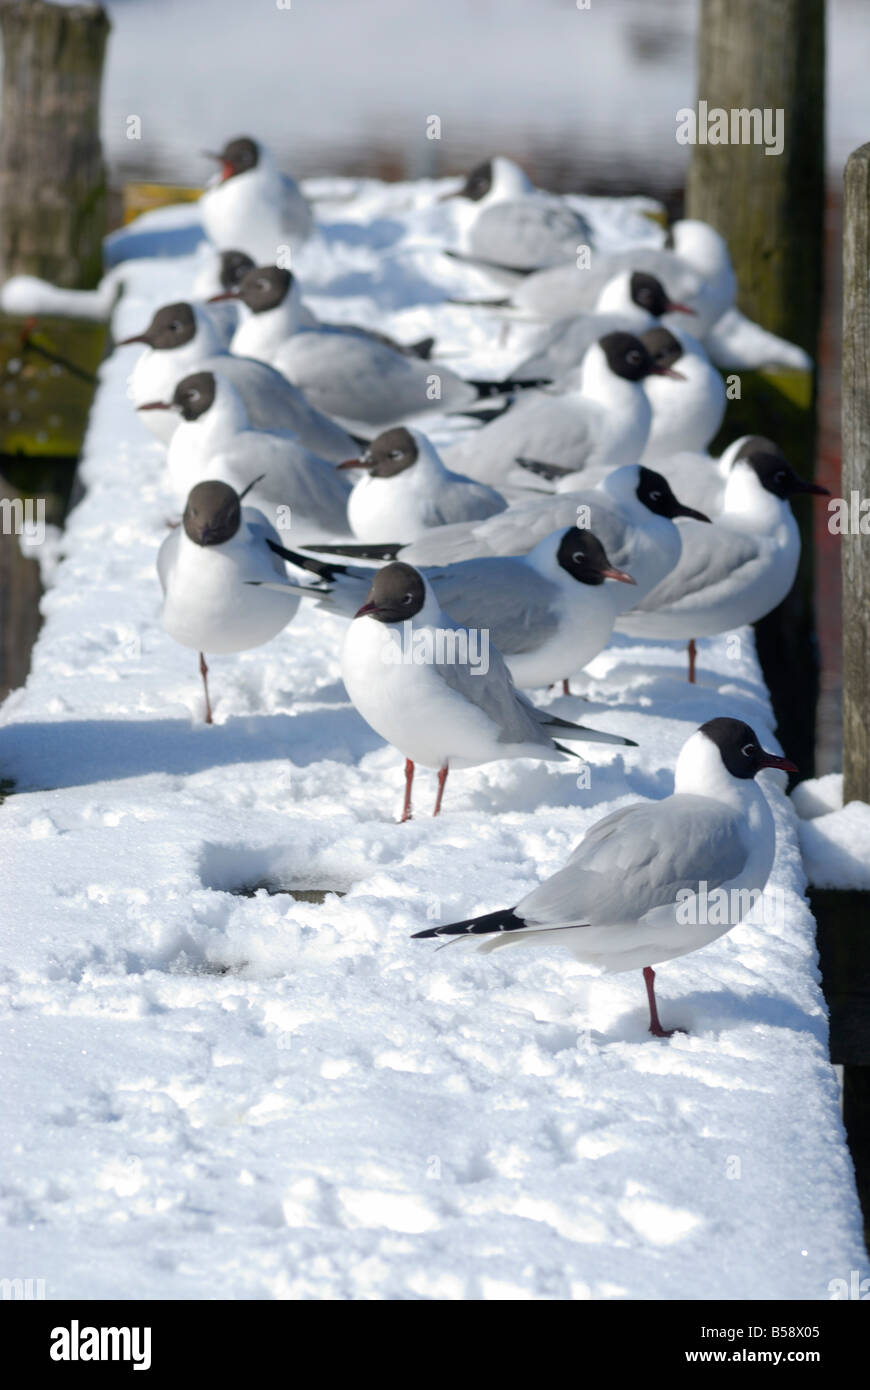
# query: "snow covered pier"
[[241, 1093]]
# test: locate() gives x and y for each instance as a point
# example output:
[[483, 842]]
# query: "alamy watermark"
[[721, 907], [714, 125], [439, 646], [23, 517]]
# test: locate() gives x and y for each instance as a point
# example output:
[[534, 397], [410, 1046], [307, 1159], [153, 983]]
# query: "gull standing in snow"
[[736, 570], [406, 490], [355, 376], [632, 893], [211, 568], [549, 612], [598, 416], [415, 677], [181, 338], [297, 489], [513, 225], [253, 206], [631, 510]]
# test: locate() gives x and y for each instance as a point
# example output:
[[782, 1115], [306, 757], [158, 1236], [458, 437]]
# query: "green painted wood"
[[47, 383]]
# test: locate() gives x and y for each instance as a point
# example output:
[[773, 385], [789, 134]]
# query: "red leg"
[[203, 671], [655, 1027], [442, 778], [692, 653], [566, 687], [409, 779]]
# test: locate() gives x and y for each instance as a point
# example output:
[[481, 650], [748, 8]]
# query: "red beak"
[[125, 342], [227, 170], [155, 405], [620, 575], [679, 308], [669, 371], [771, 760], [219, 298], [368, 607], [351, 463], [815, 488]]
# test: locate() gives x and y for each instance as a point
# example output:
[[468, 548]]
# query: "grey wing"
[[639, 858], [528, 233], [518, 530], [517, 606], [567, 343], [464, 501], [273, 403], [359, 378], [494, 693], [293, 477], [710, 555], [540, 426]]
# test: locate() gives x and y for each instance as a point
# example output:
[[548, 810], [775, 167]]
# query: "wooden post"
[[52, 179], [855, 549], [770, 209]]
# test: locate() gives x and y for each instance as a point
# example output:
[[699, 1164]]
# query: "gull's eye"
[[655, 497], [395, 454], [262, 284], [633, 358], [578, 557], [779, 477], [748, 750], [409, 598], [175, 326]]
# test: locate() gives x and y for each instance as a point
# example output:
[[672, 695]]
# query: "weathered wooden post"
[[53, 199], [52, 221], [770, 209], [855, 549], [844, 940]]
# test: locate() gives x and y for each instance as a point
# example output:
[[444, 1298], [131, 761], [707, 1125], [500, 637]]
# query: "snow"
[[215, 1090], [834, 839]]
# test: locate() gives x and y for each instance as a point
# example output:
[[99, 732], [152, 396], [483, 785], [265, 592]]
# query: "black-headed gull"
[[512, 224], [685, 414], [631, 302], [206, 566], [549, 612], [406, 489], [253, 206], [697, 270], [357, 377], [182, 338], [428, 687], [630, 896], [631, 510], [736, 570], [598, 416], [298, 491]]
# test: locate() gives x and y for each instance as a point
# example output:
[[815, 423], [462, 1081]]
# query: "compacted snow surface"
[[212, 1089]]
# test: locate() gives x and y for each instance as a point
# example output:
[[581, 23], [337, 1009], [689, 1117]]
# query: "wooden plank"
[[855, 549]]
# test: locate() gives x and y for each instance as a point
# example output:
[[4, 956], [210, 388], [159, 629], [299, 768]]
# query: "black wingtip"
[[387, 550], [550, 471], [505, 919], [306, 562]]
